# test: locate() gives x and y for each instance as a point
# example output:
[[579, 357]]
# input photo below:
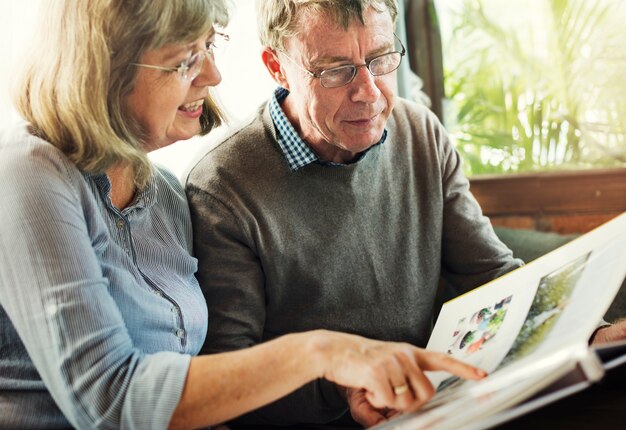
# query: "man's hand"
[[363, 412], [612, 333]]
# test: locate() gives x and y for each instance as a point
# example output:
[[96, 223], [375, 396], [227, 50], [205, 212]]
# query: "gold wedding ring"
[[401, 389]]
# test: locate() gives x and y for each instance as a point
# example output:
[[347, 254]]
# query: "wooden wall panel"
[[563, 202]]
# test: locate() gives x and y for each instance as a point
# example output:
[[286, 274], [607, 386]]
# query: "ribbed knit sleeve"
[[472, 254]]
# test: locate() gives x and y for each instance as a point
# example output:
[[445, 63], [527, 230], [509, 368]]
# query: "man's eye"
[[341, 70]]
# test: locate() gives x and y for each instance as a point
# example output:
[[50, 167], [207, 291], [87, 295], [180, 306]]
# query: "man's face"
[[340, 122]]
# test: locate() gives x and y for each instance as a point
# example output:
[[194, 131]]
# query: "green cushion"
[[529, 245]]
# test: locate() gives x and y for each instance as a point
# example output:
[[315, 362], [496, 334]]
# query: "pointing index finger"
[[430, 360]]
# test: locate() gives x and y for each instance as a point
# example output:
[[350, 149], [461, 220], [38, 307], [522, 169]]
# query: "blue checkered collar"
[[297, 153]]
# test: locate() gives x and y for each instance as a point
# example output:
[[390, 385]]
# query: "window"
[[535, 84]]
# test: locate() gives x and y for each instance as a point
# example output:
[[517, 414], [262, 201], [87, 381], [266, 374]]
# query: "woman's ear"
[[270, 59]]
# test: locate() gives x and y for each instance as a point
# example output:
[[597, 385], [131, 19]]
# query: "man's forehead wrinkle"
[[313, 57]]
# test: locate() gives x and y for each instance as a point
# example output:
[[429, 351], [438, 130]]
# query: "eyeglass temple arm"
[[150, 66], [308, 72], [403, 52]]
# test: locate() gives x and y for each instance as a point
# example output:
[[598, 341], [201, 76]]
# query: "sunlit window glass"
[[535, 84]]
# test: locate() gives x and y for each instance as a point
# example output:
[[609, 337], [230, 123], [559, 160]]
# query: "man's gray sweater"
[[357, 248]]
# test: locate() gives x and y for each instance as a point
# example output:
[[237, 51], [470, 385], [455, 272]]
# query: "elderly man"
[[338, 205]]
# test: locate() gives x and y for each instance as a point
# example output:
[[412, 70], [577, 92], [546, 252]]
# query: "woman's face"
[[166, 105]]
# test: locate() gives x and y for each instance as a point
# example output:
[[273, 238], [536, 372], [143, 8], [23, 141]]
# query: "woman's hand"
[[382, 377], [390, 374]]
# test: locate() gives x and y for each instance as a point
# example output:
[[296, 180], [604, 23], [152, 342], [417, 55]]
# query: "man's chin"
[[362, 142]]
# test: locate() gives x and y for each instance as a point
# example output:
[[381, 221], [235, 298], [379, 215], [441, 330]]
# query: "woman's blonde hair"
[[79, 71], [280, 20]]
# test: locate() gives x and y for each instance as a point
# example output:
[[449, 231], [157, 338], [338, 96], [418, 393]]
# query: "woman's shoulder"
[[28, 157], [166, 180], [170, 190]]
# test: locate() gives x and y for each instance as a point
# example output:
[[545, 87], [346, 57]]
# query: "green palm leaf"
[[537, 97]]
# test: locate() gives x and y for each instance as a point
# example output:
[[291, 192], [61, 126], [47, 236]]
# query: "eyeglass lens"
[[381, 65], [193, 66]]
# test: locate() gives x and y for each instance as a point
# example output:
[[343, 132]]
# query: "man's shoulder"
[[408, 110], [240, 155], [412, 124], [233, 144], [240, 134]]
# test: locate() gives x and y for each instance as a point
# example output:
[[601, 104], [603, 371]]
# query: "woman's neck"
[[122, 185]]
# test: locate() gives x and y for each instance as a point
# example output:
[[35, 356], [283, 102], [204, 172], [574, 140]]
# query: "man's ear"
[[270, 59]]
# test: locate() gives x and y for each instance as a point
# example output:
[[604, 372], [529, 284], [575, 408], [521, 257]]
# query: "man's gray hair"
[[280, 20]]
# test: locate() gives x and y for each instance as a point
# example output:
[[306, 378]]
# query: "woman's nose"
[[209, 75]]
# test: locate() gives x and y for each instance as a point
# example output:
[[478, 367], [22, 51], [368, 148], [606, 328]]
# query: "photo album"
[[529, 329]]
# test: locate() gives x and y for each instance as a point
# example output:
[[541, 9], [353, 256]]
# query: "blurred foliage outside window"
[[535, 85]]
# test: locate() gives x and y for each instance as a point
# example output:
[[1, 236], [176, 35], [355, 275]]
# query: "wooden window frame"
[[562, 202]]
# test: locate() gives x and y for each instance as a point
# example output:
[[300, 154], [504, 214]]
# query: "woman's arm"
[[58, 302], [222, 386]]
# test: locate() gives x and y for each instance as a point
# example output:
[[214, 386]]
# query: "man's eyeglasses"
[[190, 68], [343, 75]]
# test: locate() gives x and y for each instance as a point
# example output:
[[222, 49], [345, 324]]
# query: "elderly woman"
[[100, 312]]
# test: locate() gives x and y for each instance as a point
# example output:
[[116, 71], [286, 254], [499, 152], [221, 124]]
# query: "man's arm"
[[609, 333], [472, 252], [231, 276]]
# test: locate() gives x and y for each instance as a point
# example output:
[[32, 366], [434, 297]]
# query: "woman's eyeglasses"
[[190, 68]]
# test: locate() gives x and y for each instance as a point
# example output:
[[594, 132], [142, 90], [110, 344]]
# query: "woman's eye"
[[187, 62]]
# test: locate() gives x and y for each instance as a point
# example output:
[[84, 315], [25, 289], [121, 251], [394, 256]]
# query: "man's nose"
[[365, 86]]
